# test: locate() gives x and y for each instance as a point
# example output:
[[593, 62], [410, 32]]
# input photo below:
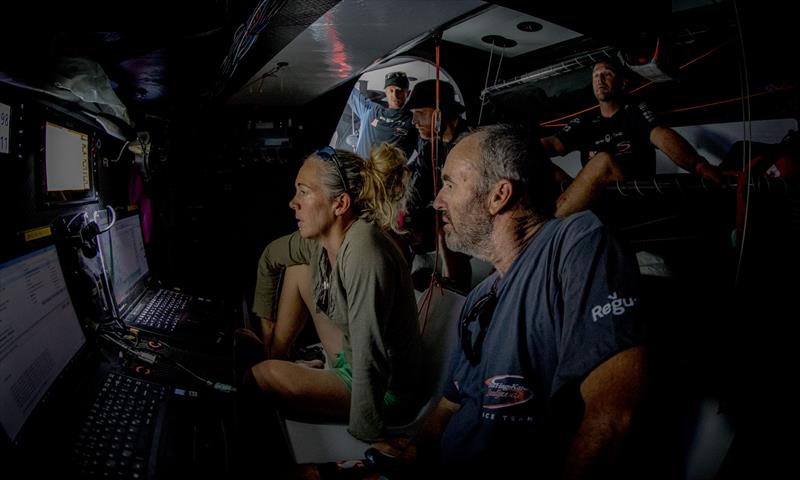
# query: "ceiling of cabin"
[[348, 39], [341, 44], [298, 51], [206, 57], [527, 33]]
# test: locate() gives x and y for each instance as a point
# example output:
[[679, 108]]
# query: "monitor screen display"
[[66, 159], [39, 334], [124, 257], [67, 167]]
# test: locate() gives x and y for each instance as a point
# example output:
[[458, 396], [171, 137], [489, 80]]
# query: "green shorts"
[[343, 370]]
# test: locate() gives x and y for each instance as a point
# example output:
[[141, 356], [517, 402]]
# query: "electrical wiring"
[[747, 130], [486, 82], [550, 123], [267, 74], [150, 358], [221, 387], [112, 219], [75, 217], [145, 357], [116, 323], [124, 145], [245, 37]]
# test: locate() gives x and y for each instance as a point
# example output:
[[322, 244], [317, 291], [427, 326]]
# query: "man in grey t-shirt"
[[550, 369]]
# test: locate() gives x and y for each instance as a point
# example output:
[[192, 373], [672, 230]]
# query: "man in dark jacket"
[[420, 217]]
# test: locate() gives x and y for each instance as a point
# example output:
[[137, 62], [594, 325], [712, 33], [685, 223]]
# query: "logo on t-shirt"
[[616, 306], [647, 113], [503, 391]]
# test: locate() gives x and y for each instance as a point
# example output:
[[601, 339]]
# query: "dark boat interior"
[[195, 117]]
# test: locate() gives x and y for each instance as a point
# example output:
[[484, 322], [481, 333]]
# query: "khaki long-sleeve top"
[[371, 299]]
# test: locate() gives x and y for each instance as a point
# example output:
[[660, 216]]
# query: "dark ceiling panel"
[[614, 22], [292, 19]]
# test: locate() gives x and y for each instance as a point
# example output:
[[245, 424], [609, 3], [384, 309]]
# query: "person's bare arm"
[[553, 146], [267, 330], [589, 184], [682, 153], [436, 422], [611, 394], [424, 443], [281, 253]]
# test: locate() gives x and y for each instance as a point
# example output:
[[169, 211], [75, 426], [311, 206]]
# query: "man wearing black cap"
[[380, 124], [422, 104], [419, 218]]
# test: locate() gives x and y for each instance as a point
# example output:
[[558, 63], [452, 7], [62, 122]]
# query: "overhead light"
[[499, 41], [529, 26]]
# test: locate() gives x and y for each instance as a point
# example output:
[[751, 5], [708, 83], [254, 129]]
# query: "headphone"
[[89, 232]]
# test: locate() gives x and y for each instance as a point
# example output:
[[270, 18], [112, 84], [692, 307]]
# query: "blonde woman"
[[343, 268]]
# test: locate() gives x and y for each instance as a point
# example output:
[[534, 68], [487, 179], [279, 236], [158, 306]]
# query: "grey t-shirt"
[[568, 302], [371, 299]]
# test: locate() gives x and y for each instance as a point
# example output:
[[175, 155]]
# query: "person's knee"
[[273, 378], [297, 272], [298, 276], [264, 374]]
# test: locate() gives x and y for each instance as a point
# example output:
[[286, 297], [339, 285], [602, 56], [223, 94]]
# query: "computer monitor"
[[124, 257], [39, 334], [67, 169]]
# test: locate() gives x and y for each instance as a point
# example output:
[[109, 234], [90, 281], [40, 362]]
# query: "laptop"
[[53, 394], [140, 302]]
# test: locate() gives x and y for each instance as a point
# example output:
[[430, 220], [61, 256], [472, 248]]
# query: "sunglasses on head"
[[482, 311], [328, 154]]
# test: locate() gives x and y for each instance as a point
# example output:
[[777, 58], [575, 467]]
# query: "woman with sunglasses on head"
[[343, 268]]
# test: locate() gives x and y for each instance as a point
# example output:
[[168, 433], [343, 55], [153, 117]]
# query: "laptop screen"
[[125, 259], [39, 334]]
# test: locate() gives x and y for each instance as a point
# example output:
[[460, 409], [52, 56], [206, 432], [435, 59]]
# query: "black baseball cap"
[[424, 95], [398, 79]]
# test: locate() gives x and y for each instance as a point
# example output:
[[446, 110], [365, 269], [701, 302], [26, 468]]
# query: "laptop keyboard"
[[163, 311], [115, 439]]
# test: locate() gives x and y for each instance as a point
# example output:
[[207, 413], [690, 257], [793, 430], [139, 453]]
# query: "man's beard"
[[473, 233]]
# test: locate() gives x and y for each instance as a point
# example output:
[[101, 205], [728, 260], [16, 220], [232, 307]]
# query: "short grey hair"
[[509, 152]]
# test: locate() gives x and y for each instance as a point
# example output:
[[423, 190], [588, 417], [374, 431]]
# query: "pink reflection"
[[338, 53]]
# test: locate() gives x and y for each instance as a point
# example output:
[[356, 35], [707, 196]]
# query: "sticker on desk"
[[5, 123]]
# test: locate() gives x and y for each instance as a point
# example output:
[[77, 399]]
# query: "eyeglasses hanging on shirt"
[[481, 311], [323, 295]]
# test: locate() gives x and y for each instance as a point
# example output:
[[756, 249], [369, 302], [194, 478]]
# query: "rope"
[[435, 135], [486, 82]]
